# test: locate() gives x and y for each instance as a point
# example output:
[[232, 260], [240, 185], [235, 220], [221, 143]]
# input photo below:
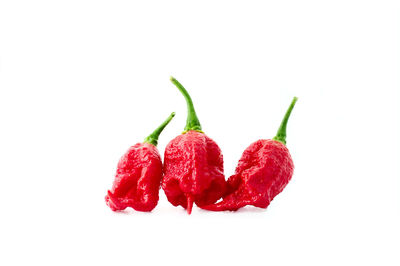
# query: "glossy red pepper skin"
[[193, 170], [263, 171], [138, 177], [137, 180]]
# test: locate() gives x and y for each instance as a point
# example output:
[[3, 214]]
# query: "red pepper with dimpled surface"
[[138, 177], [263, 171], [193, 164]]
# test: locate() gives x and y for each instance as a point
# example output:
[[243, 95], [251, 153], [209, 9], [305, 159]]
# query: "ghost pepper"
[[263, 171], [193, 164], [138, 176]]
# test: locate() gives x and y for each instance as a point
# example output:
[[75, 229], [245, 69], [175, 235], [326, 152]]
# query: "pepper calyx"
[[186, 131]]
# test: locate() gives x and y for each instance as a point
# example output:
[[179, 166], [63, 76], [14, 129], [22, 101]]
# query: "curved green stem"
[[192, 122], [281, 134], [153, 137]]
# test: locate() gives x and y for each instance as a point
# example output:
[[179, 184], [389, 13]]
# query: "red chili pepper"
[[138, 177], [193, 164], [263, 171]]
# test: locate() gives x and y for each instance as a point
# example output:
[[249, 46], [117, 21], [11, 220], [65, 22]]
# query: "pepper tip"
[[189, 205]]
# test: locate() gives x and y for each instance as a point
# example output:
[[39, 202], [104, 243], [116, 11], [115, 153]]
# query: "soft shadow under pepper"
[[138, 177], [193, 164], [263, 171]]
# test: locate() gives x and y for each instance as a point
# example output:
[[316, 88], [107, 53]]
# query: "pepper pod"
[[193, 164], [138, 176], [263, 171]]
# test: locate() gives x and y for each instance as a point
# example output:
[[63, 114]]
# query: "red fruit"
[[193, 170], [263, 171], [193, 164], [138, 177], [137, 180]]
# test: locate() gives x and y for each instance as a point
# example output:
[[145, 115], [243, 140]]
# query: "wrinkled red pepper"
[[263, 171], [193, 164], [138, 177]]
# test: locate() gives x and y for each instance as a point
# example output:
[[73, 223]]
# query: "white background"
[[81, 81]]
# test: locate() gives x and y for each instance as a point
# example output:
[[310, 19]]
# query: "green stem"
[[153, 137], [281, 134], [192, 122]]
